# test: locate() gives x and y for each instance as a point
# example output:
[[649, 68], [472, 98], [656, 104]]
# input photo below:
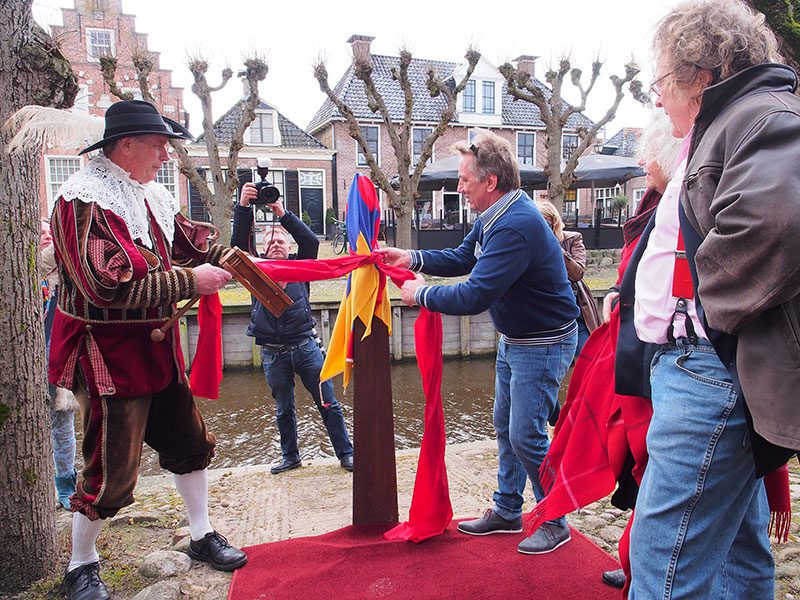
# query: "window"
[[166, 177], [569, 143], [526, 148], [488, 97], [469, 96], [59, 170], [420, 134], [99, 42], [570, 204], [603, 196], [262, 129], [371, 137]]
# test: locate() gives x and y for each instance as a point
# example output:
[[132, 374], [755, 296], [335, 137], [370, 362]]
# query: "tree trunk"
[[33, 72], [403, 231]]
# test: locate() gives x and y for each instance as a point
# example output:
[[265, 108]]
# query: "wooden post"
[[375, 473]]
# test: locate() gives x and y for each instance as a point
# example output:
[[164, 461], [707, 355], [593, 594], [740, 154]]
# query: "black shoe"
[[217, 552], [614, 578], [490, 522], [347, 462], [285, 465], [84, 583]]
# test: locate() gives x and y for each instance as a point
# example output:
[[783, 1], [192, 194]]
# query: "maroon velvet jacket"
[[113, 293]]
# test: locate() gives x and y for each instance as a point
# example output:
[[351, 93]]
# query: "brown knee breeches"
[[113, 432]]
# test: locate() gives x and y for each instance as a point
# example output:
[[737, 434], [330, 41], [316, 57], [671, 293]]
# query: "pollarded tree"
[[34, 72], [225, 180], [402, 199], [555, 112]]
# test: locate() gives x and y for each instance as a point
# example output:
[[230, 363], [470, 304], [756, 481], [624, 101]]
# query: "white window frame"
[[474, 108], [493, 96], [563, 135], [276, 133], [433, 150], [175, 189], [533, 133], [89, 31], [51, 193], [377, 154]]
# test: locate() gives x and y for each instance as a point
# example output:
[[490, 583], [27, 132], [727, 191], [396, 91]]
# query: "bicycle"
[[340, 237]]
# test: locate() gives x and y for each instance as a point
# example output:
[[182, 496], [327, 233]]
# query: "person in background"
[[516, 272], [62, 401], [289, 343]]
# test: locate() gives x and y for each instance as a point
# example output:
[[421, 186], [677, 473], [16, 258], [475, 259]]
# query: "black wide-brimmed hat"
[[136, 117]]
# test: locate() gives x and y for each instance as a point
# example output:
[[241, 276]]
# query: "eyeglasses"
[[655, 87]]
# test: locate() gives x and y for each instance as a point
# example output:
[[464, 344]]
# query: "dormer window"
[[99, 42], [262, 131], [469, 96]]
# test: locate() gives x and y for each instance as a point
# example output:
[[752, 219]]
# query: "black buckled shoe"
[[347, 462], [84, 583], [285, 465], [217, 552]]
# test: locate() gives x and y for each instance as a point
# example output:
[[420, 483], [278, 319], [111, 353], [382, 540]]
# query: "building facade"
[[95, 28]]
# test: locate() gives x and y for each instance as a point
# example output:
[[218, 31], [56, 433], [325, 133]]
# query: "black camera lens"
[[267, 194]]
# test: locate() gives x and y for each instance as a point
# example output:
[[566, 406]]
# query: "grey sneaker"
[[490, 522], [545, 539]]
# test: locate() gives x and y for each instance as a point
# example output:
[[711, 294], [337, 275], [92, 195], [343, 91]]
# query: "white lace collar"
[[111, 188]]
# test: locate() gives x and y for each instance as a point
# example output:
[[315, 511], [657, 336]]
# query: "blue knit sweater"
[[516, 271]]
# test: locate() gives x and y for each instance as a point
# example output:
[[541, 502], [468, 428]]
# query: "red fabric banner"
[[206, 374], [431, 511]]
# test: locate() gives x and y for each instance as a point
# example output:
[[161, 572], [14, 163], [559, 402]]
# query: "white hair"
[[657, 143]]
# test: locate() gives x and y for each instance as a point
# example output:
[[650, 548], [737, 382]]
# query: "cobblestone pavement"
[[251, 506]]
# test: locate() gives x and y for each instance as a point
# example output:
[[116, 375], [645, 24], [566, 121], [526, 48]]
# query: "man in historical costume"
[[289, 343], [118, 236], [516, 272]]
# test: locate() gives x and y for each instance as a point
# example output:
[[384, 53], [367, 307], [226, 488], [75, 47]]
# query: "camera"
[[267, 193]]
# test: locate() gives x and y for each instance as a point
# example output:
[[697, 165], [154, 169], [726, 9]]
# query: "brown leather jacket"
[[575, 261], [741, 194]]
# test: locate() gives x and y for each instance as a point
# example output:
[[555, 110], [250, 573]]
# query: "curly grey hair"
[[657, 143], [723, 37], [493, 156]]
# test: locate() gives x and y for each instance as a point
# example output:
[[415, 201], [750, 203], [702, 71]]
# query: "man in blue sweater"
[[516, 272], [289, 343]]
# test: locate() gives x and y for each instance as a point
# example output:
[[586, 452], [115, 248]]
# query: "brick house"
[[90, 30], [484, 103], [302, 167]]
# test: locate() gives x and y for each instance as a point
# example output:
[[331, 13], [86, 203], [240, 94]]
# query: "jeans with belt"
[[527, 379], [700, 529], [305, 358]]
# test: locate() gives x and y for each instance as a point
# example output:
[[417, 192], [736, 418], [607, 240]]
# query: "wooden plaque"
[[266, 291]]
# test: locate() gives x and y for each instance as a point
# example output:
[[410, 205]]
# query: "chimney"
[[360, 45], [526, 63]]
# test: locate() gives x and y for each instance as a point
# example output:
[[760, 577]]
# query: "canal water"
[[243, 419]]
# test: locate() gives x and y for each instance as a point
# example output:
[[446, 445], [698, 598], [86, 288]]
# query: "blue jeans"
[[700, 529], [306, 360], [527, 379], [62, 422], [583, 335]]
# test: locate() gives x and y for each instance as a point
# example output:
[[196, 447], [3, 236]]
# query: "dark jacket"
[[575, 261], [296, 323], [516, 272], [741, 195]]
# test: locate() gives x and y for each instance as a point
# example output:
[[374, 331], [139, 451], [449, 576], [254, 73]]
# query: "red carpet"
[[355, 563]]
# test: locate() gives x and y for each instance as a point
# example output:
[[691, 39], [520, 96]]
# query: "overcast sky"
[[294, 34]]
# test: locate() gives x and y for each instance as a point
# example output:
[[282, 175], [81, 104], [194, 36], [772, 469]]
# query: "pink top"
[[655, 304]]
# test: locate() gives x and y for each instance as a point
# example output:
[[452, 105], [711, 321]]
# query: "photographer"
[[289, 344]]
